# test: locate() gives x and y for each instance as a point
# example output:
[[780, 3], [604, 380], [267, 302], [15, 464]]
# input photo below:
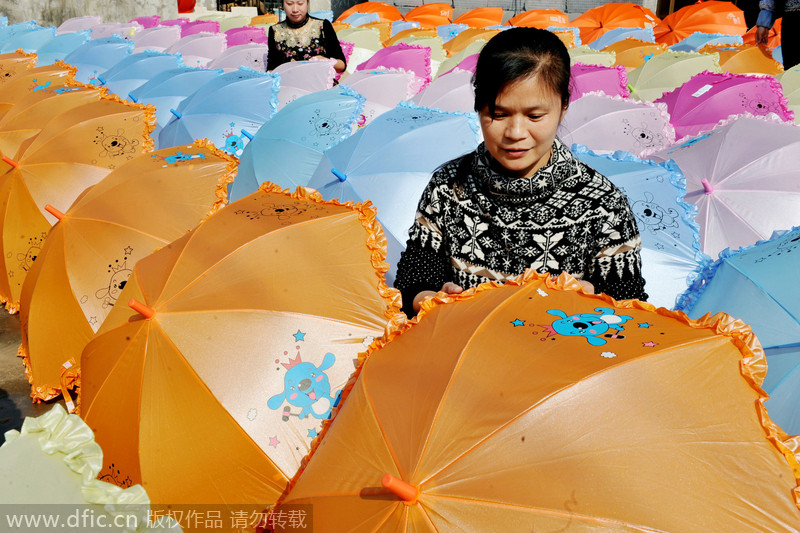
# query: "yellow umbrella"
[[631, 53], [790, 81], [668, 71], [411, 32], [590, 56], [451, 62]]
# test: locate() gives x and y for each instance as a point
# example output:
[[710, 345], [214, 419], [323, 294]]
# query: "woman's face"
[[520, 132], [296, 10]]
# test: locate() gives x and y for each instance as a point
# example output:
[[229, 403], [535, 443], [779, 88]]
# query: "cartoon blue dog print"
[[306, 386], [591, 326]]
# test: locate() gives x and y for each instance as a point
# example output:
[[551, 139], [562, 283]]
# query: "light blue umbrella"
[[98, 56], [137, 69], [618, 34], [671, 255], [168, 89], [777, 54], [448, 31], [359, 19], [9, 32], [326, 14], [758, 284], [698, 40], [390, 161], [219, 110], [400, 25], [288, 148], [3, 21], [29, 41], [59, 47]]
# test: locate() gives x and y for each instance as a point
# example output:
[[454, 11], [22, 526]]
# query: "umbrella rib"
[[762, 289], [384, 436], [124, 227]]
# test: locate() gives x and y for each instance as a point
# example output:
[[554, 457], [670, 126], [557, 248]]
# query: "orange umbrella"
[[534, 403], [631, 53], [746, 59], [76, 149], [539, 18], [249, 327], [386, 12], [773, 38], [431, 15], [266, 18], [85, 262], [339, 26], [50, 77], [13, 63], [596, 21], [712, 16], [467, 37], [480, 17], [411, 32], [568, 36]]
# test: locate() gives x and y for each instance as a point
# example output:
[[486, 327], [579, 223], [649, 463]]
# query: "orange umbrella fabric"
[[598, 20], [480, 17], [467, 37], [256, 320], [539, 18], [386, 12], [411, 32], [712, 16], [76, 149], [534, 403], [50, 77], [746, 59], [431, 15], [631, 53], [88, 255], [13, 63]]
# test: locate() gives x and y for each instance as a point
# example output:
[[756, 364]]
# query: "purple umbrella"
[[383, 89], [126, 30], [199, 49], [449, 92], [707, 98], [469, 63], [159, 38], [174, 22], [410, 57], [148, 22], [246, 35], [253, 55], [612, 81], [78, 24]]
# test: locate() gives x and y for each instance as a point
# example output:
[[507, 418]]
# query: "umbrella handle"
[[53, 211], [10, 161], [405, 491], [707, 186], [139, 307]]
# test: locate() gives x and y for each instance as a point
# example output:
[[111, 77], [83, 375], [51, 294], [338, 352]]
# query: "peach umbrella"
[[50, 77], [384, 29], [774, 35], [632, 53], [13, 63], [539, 18], [480, 17], [386, 12], [76, 149], [247, 328], [411, 32], [712, 16], [596, 21], [466, 38], [85, 262], [746, 59], [431, 15], [535, 403]]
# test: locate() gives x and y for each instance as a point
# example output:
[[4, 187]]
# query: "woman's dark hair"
[[519, 53]]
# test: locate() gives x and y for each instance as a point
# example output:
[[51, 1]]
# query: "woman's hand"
[[762, 35], [447, 288]]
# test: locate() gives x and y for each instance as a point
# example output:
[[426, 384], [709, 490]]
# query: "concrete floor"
[[15, 401]]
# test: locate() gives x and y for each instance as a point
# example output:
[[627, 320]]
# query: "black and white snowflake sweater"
[[476, 224]]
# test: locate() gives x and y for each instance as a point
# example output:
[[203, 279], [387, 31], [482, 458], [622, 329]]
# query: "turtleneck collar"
[[299, 24]]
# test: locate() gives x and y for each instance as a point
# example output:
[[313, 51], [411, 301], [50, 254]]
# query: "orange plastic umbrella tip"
[[140, 308], [53, 211], [405, 491], [10, 161]]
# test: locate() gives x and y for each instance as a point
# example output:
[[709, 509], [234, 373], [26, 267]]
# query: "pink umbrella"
[[610, 123], [383, 89], [253, 55], [159, 38], [246, 35], [174, 22], [74, 24], [469, 63], [148, 22], [449, 92], [707, 98], [411, 57], [612, 81], [126, 30], [199, 49], [742, 175], [304, 76], [197, 26], [347, 49]]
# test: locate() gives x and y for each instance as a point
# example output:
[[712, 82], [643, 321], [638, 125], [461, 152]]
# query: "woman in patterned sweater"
[[302, 37], [521, 200]]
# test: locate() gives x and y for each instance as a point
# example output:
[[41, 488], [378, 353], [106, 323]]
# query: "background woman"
[[521, 200], [301, 37]]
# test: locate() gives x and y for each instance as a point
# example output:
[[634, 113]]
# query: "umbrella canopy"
[[409, 57], [98, 55], [61, 46], [75, 150], [480, 17], [8, 32], [586, 79], [790, 82], [198, 49], [159, 38], [199, 26], [610, 123], [386, 12], [384, 29], [288, 148], [596, 21], [707, 98], [29, 41], [742, 176], [236, 345], [431, 15], [37, 79], [383, 89], [765, 300], [410, 32], [168, 89], [698, 40], [137, 69], [746, 59], [468, 37], [632, 53], [618, 34], [374, 164], [711, 16], [666, 72], [126, 30], [13, 63], [368, 38], [671, 256], [246, 35], [303, 77], [539, 18], [150, 21], [222, 108], [614, 413], [450, 92], [448, 31], [459, 61], [589, 56], [79, 24], [773, 36], [89, 254], [434, 44], [253, 55]]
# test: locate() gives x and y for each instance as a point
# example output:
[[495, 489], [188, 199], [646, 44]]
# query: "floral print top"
[[301, 42]]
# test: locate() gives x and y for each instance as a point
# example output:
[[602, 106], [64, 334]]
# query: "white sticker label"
[[555, 19], [67, 365], [702, 90]]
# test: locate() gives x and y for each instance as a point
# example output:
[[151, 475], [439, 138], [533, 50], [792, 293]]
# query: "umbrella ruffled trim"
[[39, 393], [737, 38], [352, 120], [622, 75], [427, 76], [753, 365], [575, 32], [471, 116], [225, 179], [29, 55]]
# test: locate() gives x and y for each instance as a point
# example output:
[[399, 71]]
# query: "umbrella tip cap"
[[179, 115], [707, 186], [405, 491], [53, 211], [10, 161], [139, 307], [339, 174], [133, 98]]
